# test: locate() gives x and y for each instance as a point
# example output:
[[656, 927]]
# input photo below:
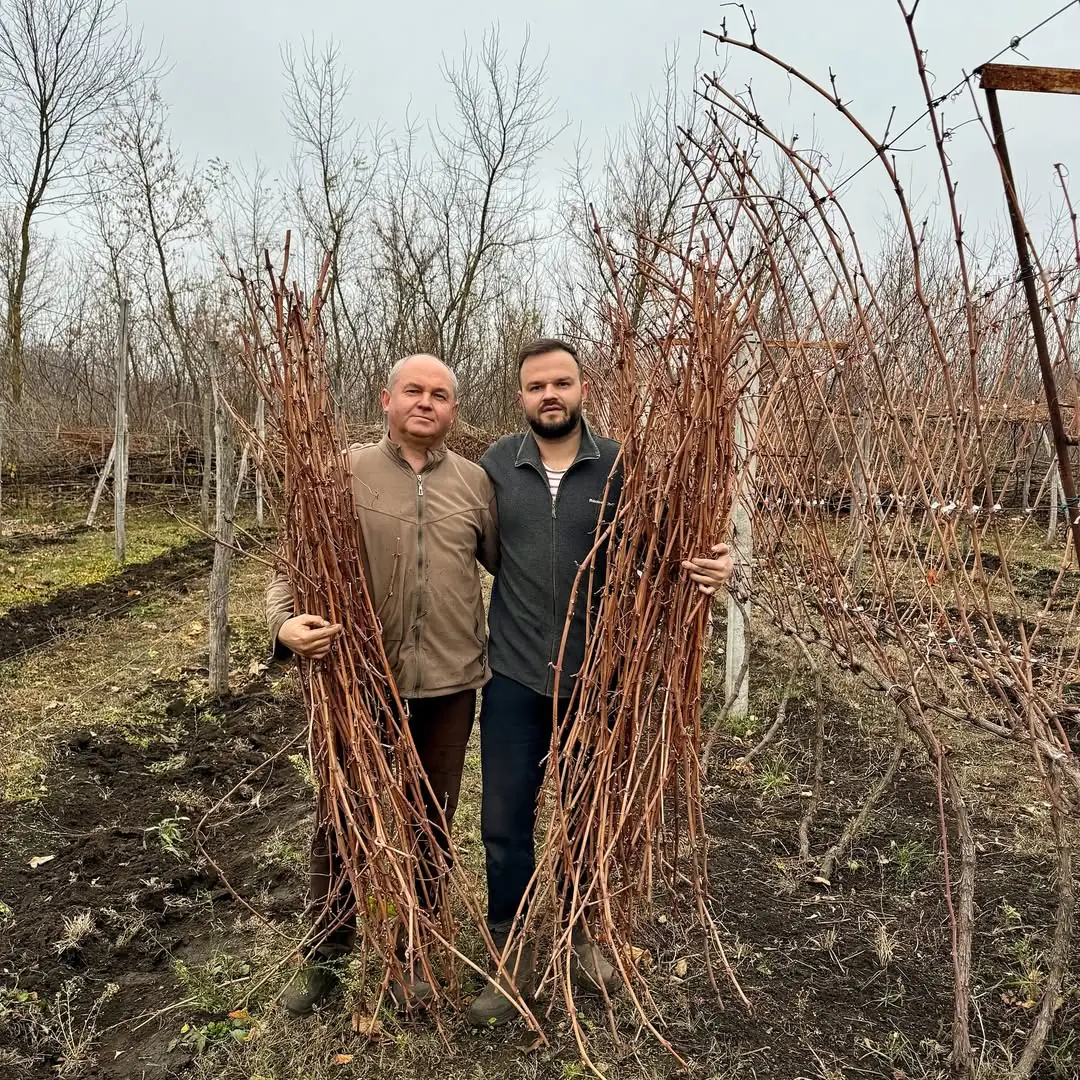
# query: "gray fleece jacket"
[[542, 543]]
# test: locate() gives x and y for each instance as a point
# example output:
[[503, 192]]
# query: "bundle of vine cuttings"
[[392, 866], [625, 774]]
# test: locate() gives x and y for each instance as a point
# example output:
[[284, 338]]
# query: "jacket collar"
[[435, 454], [529, 452]]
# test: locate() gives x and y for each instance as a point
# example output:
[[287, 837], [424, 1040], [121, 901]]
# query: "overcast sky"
[[225, 76]]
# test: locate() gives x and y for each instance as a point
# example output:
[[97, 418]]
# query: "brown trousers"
[[440, 729]]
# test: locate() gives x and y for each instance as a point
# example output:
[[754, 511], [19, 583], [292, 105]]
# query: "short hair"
[[542, 346], [395, 371]]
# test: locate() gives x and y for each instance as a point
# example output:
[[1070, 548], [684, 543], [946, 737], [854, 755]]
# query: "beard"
[[555, 429]]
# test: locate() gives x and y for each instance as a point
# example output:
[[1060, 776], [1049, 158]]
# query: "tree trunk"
[[223, 535], [3, 421], [208, 414], [260, 432], [120, 455], [15, 303]]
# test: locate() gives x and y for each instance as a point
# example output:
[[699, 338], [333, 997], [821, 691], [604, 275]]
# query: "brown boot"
[[589, 968], [495, 1006]]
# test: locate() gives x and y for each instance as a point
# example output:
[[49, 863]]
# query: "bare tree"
[[641, 198], [64, 65], [166, 203], [457, 226], [252, 218], [334, 166]]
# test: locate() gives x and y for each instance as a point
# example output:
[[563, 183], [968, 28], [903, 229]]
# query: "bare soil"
[[98, 825], [850, 977], [31, 625]]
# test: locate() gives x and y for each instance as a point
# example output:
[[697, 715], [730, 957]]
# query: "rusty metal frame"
[[1038, 80]]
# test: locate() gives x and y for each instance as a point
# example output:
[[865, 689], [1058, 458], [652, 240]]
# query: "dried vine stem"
[[394, 872]]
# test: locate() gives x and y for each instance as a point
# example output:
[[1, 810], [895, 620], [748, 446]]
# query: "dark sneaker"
[[495, 1006], [312, 985]]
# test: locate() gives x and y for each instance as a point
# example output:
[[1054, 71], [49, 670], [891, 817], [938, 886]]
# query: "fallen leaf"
[[640, 958], [238, 1014], [363, 1024], [40, 860], [341, 1059], [680, 968], [255, 667]]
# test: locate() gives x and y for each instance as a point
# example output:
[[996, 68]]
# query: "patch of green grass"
[[774, 775], [170, 764], [213, 987], [38, 573], [303, 769], [913, 859], [279, 849], [743, 726], [169, 833]]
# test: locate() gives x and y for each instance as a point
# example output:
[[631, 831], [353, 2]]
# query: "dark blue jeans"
[[515, 739]]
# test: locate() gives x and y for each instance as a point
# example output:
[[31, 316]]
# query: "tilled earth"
[[100, 828]]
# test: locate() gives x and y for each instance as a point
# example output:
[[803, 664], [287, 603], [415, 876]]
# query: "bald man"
[[426, 515]]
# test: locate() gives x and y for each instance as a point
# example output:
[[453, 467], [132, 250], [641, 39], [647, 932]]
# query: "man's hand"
[[711, 574], [309, 636]]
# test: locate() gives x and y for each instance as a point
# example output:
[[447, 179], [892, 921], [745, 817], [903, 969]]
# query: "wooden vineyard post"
[[120, 449], [224, 452], [208, 407], [260, 432], [3, 419], [1056, 495], [737, 657]]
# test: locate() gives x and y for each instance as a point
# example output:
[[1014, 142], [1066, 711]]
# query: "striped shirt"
[[554, 480]]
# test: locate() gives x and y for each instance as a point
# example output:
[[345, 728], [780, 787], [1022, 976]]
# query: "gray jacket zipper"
[[552, 652]]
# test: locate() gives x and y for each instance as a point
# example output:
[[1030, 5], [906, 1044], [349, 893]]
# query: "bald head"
[[424, 362], [420, 401]]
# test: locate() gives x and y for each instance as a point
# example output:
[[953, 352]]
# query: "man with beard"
[[552, 485]]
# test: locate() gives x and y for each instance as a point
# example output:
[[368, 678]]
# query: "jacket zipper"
[[554, 591], [419, 576], [556, 632]]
